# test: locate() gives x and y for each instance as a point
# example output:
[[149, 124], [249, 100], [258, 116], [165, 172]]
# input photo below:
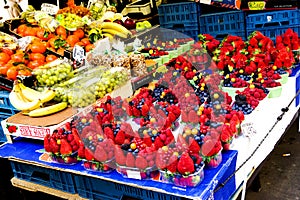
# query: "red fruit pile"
[[63, 144]]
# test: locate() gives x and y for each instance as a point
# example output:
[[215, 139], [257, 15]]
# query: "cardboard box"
[[35, 128], [269, 4]]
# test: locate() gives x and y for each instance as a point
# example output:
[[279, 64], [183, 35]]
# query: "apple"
[[118, 21], [129, 24], [140, 26]]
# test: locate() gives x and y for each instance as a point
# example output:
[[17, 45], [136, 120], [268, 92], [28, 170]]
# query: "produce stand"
[[118, 109]]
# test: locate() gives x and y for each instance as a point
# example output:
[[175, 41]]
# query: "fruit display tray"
[[34, 128]]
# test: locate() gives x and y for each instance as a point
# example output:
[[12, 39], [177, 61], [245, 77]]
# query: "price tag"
[[248, 129], [205, 2], [133, 174], [256, 5], [51, 9], [79, 55]]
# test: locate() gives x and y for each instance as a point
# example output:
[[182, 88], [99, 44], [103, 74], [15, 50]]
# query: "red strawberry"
[[172, 117], [141, 162], [145, 110], [172, 164], [208, 147], [130, 161], [81, 151], [185, 164], [47, 143], [158, 143], [100, 154], [120, 137], [147, 140], [54, 146], [120, 157], [184, 116], [194, 147], [109, 133], [136, 112], [88, 154]]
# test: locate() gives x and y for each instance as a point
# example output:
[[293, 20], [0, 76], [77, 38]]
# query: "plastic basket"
[[222, 24], [2, 134], [48, 177], [178, 15], [274, 31], [93, 188], [273, 19], [5, 106]]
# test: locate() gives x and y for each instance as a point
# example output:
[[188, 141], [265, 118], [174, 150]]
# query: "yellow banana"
[[16, 99], [32, 94], [110, 36], [48, 110], [116, 26], [114, 32]]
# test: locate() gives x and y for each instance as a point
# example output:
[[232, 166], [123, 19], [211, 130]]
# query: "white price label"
[[248, 129], [50, 9], [133, 174], [79, 53]]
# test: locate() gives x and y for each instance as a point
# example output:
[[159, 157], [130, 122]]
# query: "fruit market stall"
[[111, 106]]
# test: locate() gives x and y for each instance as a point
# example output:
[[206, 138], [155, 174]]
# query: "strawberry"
[[147, 140], [88, 154], [194, 147], [54, 146], [119, 155], [145, 110], [136, 112], [120, 137], [141, 162], [172, 164], [160, 159], [81, 151], [172, 117], [185, 164], [100, 154], [184, 116], [158, 143], [207, 147], [109, 133], [130, 161], [47, 143]]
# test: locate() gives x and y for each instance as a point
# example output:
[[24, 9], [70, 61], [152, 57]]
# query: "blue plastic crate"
[[273, 19], [274, 31], [44, 176], [5, 106], [222, 24], [179, 15], [93, 188], [2, 135]]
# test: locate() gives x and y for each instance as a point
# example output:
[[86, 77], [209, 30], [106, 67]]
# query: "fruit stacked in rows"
[[182, 65], [197, 55], [63, 144], [154, 52], [208, 42]]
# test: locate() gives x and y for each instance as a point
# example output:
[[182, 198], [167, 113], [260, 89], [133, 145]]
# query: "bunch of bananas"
[[111, 29], [30, 101]]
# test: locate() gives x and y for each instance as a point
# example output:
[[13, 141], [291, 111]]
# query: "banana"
[[48, 110], [116, 26], [114, 32], [16, 99], [110, 36], [32, 94]]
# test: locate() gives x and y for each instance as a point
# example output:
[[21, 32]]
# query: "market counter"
[[25, 157]]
